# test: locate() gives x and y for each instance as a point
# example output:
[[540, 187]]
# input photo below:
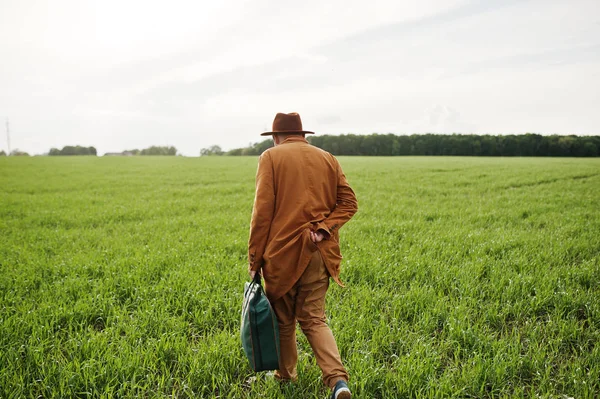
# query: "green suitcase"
[[259, 332]]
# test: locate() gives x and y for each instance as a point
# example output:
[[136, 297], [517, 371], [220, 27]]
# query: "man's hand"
[[252, 273], [316, 236]]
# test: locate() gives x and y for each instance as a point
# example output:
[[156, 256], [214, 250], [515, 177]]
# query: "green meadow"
[[465, 277]]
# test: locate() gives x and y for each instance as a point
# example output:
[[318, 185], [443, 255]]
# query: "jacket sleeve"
[[346, 206], [262, 212]]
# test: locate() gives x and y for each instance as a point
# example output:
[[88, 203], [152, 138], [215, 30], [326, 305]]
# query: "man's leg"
[[310, 312], [284, 309]]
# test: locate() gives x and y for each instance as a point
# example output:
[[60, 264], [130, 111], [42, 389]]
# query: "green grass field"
[[466, 277]]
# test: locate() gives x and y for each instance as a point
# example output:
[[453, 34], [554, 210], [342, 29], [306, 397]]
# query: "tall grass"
[[466, 277]]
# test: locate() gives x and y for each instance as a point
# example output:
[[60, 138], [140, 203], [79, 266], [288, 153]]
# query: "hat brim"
[[287, 132]]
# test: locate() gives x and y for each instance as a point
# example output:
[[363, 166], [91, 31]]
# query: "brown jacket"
[[299, 188]]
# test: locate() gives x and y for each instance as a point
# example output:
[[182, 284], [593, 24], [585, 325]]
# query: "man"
[[302, 199]]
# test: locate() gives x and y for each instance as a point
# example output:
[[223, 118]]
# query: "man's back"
[[305, 179], [299, 188]]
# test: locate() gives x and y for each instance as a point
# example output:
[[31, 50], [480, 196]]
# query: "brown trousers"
[[305, 302]]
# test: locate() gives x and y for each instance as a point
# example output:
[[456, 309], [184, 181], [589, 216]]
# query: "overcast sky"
[[124, 74]]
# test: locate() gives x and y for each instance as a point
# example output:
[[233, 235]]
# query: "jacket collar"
[[293, 139]]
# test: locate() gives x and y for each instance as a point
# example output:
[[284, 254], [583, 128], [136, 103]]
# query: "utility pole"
[[8, 136]]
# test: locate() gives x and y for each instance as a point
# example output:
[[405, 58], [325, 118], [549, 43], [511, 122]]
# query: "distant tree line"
[[526, 145], [154, 150], [252, 149], [79, 150], [212, 150], [73, 150], [157, 150], [14, 153]]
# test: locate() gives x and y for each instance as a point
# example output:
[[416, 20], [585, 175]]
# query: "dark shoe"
[[341, 391]]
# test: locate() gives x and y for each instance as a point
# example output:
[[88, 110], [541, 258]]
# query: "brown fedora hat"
[[287, 123]]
